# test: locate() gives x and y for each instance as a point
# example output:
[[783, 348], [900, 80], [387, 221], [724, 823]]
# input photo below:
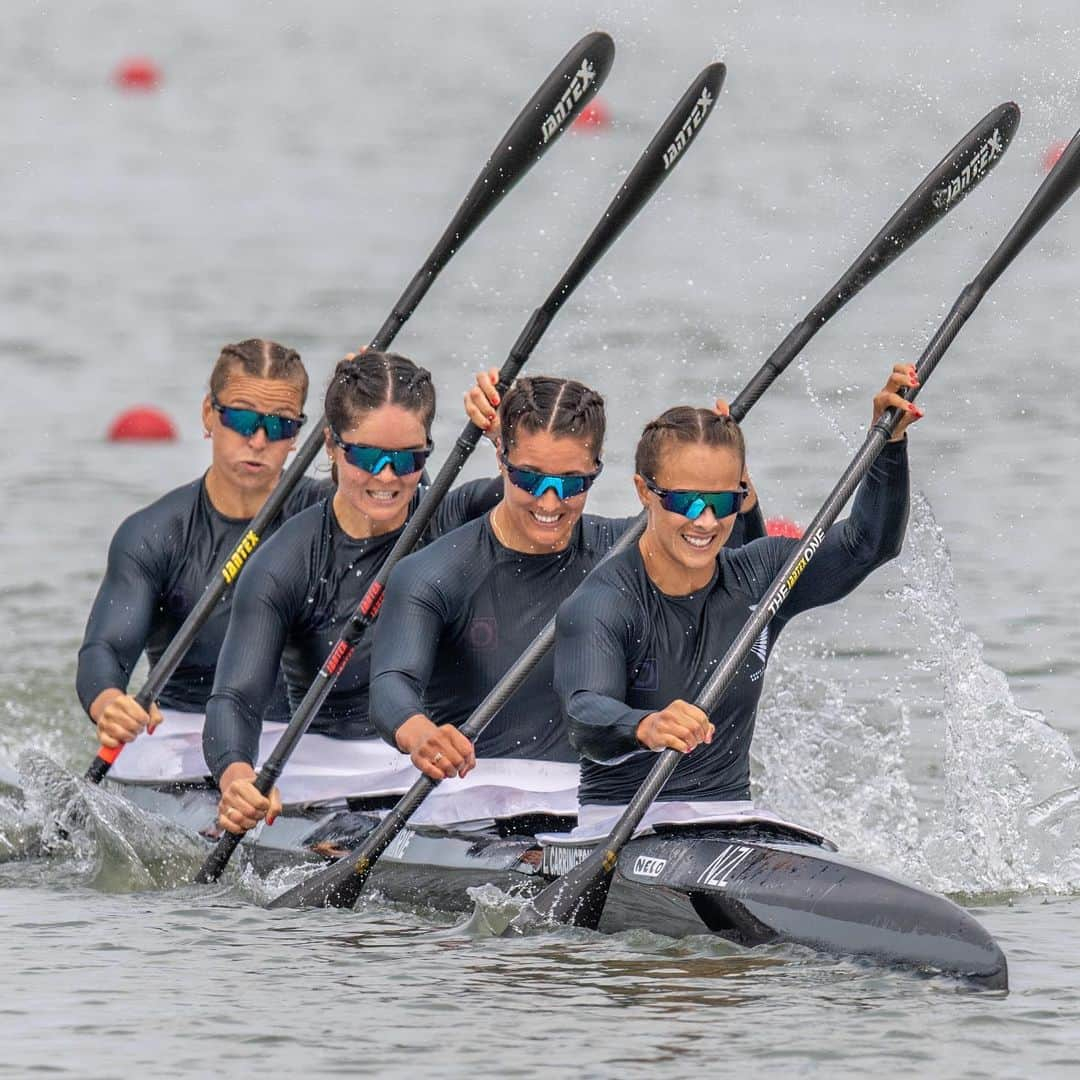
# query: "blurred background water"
[[286, 180]]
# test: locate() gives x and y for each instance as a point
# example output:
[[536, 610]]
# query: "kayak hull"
[[748, 884]]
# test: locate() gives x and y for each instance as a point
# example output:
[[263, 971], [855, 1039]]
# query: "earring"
[[206, 433]]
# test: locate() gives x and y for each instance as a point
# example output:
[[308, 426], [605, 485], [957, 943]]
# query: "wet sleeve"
[[248, 665], [858, 545], [122, 614], [406, 641], [465, 503], [591, 658]]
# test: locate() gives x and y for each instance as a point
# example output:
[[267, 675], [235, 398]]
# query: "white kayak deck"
[[323, 770]]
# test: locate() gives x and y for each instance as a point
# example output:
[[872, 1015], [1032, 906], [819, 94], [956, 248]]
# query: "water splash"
[[1011, 817], [838, 767], [114, 845]]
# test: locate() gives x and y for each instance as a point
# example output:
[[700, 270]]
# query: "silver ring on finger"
[[435, 759]]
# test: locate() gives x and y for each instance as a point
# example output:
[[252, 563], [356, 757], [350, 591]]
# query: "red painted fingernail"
[[271, 819]]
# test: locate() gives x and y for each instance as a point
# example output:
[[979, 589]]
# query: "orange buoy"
[[137, 73], [1052, 153], [781, 526], [595, 115], [142, 423]]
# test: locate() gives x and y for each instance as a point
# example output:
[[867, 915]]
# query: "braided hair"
[[261, 359], [557, 406], [685, 424], [373, 379]]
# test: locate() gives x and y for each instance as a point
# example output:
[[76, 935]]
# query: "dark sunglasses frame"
[[537, 483], [680, 501], [246, 422], [373, 459]]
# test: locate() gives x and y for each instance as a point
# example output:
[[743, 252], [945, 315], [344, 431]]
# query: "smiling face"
[[539, 525], [251, 464], [680, 553], [365, 503]]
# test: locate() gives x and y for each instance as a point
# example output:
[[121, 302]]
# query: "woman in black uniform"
[[637, 643], [162, 558], [458, 614], [300, 589]]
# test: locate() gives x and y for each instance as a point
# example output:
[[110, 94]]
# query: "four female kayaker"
[[638, 641], [162, 557], [458, 614], [298, 591]]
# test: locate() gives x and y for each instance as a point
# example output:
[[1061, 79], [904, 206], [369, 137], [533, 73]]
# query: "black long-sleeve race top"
[[624, 649], [161, 560], [459, 613], [292, 604]]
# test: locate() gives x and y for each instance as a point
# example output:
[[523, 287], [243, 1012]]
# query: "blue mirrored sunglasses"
[[247, 421], [691, 504], [565, 486], [374, 459]]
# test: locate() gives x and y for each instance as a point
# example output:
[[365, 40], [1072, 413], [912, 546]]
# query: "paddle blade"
[[338, 885], [667, 149], [547, 114], [575, 899], [962, 169]]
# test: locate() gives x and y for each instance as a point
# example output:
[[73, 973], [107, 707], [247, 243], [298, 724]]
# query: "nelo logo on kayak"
[[581, 82], [693, 122], [721, 868], [980, 160], [239, 556], [646, 866], [808, 553]]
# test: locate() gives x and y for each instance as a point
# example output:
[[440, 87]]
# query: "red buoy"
[[137, 73], [142, 423], [781, 526], [1052, 153], [595, 115]]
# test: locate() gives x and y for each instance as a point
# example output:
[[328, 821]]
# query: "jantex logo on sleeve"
[[992, 148], [581, 82], [239, 556], [693, 122]]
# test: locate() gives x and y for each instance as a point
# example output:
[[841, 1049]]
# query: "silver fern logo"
[[978, 164], [582, 80], [686, 132]]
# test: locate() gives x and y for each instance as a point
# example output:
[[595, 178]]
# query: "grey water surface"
[[285, 181]]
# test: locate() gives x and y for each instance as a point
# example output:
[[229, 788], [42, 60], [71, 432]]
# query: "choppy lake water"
[[286, 181]]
